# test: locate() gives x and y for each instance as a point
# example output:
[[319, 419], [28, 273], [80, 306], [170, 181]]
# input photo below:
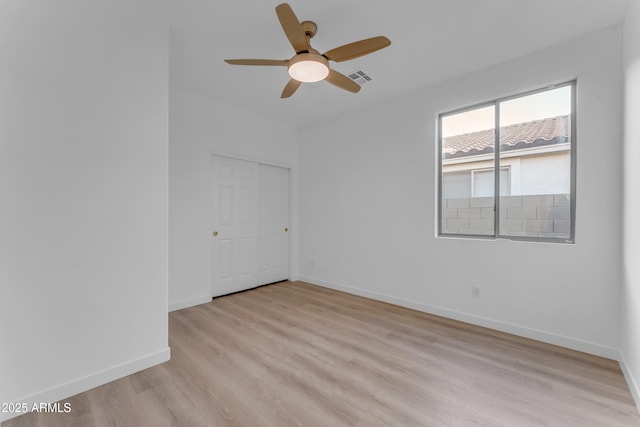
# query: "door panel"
[[250, 216], [225, 256], [225, 203]]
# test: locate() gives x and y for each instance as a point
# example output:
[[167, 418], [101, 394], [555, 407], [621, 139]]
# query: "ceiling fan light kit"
[[308, 65]]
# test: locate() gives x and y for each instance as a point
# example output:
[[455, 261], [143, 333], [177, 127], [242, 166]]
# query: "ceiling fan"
[[308, 65]]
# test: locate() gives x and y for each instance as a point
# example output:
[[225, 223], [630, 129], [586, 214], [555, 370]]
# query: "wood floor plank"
[[295, 354]]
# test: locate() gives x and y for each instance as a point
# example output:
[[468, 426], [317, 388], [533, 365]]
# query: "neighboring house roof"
[[549, 131]]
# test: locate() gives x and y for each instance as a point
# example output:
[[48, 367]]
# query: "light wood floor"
[[297, 354]]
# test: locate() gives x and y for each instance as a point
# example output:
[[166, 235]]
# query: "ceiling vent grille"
[[359, 77]]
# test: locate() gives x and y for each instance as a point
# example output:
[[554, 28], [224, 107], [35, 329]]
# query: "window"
[[530, 140]]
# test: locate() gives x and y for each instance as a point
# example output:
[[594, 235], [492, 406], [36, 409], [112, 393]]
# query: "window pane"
[[483, 182], [467, 145], [456, 185], [535, 140]]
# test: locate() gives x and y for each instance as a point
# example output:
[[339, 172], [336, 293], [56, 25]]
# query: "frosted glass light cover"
[[308, 68]]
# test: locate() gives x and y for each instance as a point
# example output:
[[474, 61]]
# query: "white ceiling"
[[431, 41]]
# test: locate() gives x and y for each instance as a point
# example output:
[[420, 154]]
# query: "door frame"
[[292, 235]]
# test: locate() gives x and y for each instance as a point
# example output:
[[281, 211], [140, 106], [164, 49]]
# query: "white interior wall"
[[368, 204], [199, 127], [631, 225], [83, 196]]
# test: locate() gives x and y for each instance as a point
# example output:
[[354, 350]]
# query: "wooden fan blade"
[[283, 62], [290, 88], [357, 49], [292, 28], [342, 81]]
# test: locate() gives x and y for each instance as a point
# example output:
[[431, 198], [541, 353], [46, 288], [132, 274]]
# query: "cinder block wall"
[[546, 215]]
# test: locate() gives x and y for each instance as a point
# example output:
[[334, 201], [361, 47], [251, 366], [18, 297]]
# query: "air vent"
[[359, 77]]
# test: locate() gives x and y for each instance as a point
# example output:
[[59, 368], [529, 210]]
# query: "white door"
[[234, 225], [273, 223], [250, 225]]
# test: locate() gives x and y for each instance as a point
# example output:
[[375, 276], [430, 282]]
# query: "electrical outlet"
[[475, 291]]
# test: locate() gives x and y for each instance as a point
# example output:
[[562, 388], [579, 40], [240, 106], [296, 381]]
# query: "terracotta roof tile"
[[553, 130]]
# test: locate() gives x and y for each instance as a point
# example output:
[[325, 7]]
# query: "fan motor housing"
[[310, 28]]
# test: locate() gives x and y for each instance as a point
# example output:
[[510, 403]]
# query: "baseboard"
[[190, 302], [628, 376], [550, 338], [90, 381]]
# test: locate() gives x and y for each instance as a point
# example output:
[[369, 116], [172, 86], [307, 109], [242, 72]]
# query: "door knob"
[[286, 230], [215, 233]]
